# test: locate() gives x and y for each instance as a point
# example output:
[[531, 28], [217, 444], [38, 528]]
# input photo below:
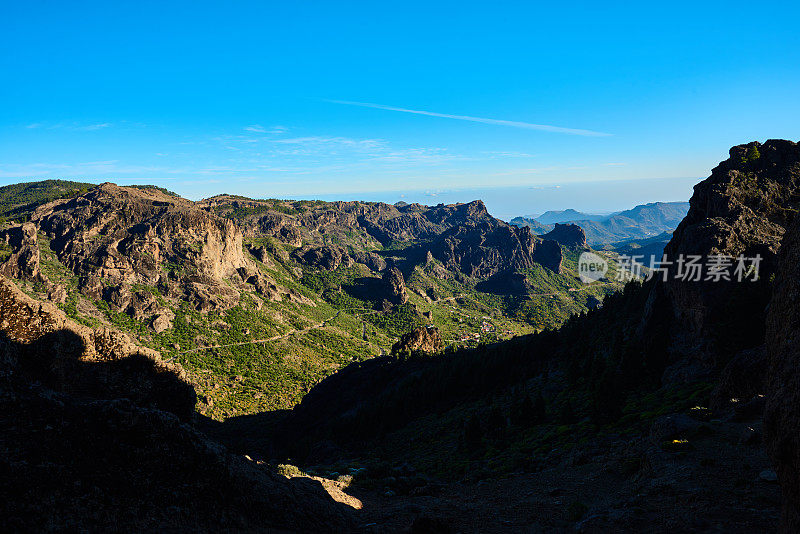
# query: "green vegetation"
[[248, 208], [5, 251], [17, 201], [752, 154]]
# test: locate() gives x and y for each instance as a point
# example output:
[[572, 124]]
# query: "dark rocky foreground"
[[96, 436]]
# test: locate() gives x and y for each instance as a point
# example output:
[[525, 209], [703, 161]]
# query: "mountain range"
[[641, 222], [261, 364]]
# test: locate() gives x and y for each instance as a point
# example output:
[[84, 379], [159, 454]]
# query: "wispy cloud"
[[344, 141], [257, 128], [507, 154], [75, 126], [483, 120], [92, 127]]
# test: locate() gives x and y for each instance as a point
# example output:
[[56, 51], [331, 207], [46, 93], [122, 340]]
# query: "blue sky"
[[373, 99]]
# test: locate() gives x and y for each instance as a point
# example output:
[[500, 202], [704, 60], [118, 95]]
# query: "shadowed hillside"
[[92, 439]]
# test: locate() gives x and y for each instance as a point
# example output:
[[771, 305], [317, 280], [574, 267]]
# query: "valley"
[[280, 294]]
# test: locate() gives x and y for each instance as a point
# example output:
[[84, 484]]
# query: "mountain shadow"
[[105, 445]]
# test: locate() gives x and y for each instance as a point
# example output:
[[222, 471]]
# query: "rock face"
[[743, 208], [24, 260], [484, 248], [130, 232], [95, 437], [115, 237], [463, 237], [421, 339], [142, 251], [395, 286], [569, 235], [325, 257], [782, 414]]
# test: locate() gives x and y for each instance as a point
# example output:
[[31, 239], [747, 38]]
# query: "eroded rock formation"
[[569, 235], [422, 339]]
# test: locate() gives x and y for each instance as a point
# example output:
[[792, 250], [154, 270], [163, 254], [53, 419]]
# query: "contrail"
[[513, 124]]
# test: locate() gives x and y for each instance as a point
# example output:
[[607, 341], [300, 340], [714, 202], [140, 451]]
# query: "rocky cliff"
[[743, 208], [484, 248], [782, 414], [569, 235], [114, 237]]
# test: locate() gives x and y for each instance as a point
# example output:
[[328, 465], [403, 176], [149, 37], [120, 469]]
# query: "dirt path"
[[282, 336]]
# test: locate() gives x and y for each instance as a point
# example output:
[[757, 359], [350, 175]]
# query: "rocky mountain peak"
[[743, 208]]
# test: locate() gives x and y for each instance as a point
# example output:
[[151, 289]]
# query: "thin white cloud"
[[257, 128], [92, 127], [498, 122], [75, 126], [344, 141], [507, 154]]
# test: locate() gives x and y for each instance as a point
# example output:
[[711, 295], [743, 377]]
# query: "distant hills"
[[642, 222], [569, 215]]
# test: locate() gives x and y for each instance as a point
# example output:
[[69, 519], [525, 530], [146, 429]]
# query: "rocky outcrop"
[[464, 237], [364, 225], [411, 222], [371, 260], [484, 248], [117, 237], [23, 263], [569, 235], [424, 339], [782, 414], [325, 257], [395, 286]]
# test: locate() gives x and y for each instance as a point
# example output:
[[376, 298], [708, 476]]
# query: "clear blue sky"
[[266, 98]]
